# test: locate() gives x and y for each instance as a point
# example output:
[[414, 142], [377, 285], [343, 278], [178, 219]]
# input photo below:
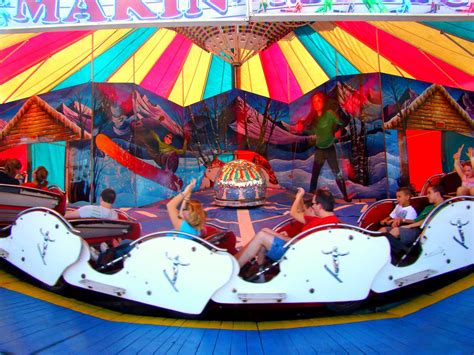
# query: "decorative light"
[[238, 43], [240, 183]]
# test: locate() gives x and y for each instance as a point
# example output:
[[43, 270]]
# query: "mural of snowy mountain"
[[78, 113], [292, 174], [274, 132], [360, 97], [466, 101], [402, 102]]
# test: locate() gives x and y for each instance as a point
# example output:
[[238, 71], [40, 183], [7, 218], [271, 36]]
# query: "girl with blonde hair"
[[190, 217], [465, 172]]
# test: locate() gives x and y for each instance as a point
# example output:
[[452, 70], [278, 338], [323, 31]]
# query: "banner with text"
[[41, 15], [389, 8], [63, 14]]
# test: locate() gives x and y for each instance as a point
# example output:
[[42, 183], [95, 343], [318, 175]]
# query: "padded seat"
[[419, 203], [15, 199], [449, 181], [96, 231], [371, 218], [221, 238]]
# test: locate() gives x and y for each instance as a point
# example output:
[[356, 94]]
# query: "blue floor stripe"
[[208, 341], [193, 341], [239, 343], [254, 342], [28, 325], [223, 342]]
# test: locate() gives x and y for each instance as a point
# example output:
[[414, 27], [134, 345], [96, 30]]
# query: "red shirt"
[[32, 184], [311, 222]]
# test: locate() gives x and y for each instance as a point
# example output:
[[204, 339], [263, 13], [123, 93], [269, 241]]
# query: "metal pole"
[[92, 185], [387, 185]]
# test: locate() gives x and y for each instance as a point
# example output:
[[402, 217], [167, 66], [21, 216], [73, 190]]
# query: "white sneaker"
[[103, 247], [94, 253]]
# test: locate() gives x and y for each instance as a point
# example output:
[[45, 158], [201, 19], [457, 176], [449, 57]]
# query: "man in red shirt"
[[271, 244]]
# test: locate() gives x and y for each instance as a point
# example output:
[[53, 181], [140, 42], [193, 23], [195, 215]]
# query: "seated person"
[[104, 210], [191, 217], [118, 247], [403, 213], [407, 234], [10, 171], [40, 181], [465, 172], [271, 244]]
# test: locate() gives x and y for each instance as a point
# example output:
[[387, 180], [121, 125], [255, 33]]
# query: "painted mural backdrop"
[[424, 126], [360, 136], [139, 143], [147, 148], [349, 156]]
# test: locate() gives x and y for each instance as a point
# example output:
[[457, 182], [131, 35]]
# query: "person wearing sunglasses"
[[271, 244]]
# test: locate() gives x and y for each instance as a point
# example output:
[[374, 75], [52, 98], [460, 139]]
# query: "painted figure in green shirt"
[[324, 126], [167, 155], [326, 7]]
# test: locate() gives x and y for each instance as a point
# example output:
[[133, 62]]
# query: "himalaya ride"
[[180, 272]]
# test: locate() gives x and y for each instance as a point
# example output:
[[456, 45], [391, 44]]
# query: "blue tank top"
[[187, 228]]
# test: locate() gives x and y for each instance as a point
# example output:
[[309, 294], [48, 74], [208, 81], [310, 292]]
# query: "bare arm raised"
[[298, 208], [457, 162], [172, 205]]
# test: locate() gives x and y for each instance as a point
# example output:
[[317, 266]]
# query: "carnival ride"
[[14, 199], [332, 263], [327, 264]]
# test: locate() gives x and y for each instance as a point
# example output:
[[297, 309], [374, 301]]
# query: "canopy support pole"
[[237, 75], [387, 185], [92, 175]]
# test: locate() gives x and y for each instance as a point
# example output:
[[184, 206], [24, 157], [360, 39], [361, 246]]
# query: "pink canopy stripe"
[[37, 49], [162, 77], [281, 81], [8, 51], [408, 57]]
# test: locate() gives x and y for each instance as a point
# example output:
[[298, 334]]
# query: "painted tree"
[[209, 124], [401, 97], [354, 98], [259, 123]]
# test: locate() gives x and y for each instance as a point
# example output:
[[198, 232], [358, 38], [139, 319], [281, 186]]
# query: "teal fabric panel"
[[219, 78], [460, 29], [53, 157], [109, 61], [451, 141], [324, 53]]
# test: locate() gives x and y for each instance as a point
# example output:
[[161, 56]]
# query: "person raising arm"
[[298, 209], [465, 172], [187, 215]]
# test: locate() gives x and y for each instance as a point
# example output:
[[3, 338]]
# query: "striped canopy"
[[172, 66]]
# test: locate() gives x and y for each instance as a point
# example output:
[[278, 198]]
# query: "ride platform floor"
[[36, 321], [244, 222]]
